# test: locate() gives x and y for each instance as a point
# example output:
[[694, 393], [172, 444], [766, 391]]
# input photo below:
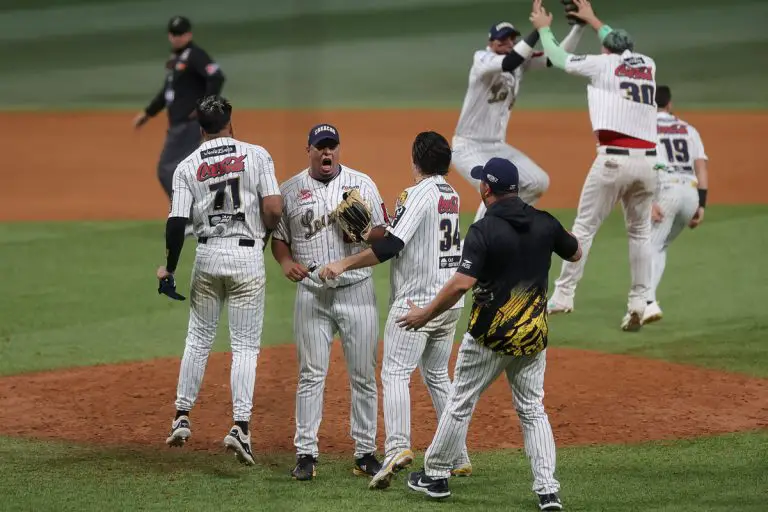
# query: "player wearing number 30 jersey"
[[622, 108], [231, 189], [424, 240]]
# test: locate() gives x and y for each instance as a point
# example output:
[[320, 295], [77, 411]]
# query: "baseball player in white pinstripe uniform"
[[223, 182], [681, 194], [308, 236], [425, 241], [622, 107], [492, 89]]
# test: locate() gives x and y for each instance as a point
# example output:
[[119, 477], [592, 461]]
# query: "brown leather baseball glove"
[[354, 216]]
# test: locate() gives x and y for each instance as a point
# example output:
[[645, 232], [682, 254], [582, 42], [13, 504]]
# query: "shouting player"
[[307, 236], [677, 203], [223, 182], [425, 240], [505, 260], [494, 83], [622, 108]]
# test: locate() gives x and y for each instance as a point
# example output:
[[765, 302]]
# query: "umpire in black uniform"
[[505, 260], [190, 75]]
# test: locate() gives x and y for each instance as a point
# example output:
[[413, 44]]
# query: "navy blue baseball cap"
[[499, 173], [502, 30], [322, 132]]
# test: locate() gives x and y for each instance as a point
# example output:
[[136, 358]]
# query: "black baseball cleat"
[[305, 468], [240, 443], [367, 465], [436, 488], [550, 502]]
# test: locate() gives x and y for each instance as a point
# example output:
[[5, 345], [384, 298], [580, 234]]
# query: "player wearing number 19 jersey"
[[231, 189], [622, 108], [425, 241]]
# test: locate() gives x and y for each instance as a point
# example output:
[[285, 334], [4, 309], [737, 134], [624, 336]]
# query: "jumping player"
[[425, 241], [223, 182], [622, 108], [676, 203], [308, 236], [505, 260], [493, 87]]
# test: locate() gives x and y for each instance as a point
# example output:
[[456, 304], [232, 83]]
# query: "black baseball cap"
[[499, 173], [179, 25], [502, 30], [321, 132]]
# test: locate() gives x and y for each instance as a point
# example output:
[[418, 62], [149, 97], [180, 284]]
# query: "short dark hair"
[[431, 153], [213, 113], [663, 96]]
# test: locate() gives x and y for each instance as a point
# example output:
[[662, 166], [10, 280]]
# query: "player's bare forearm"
[[702, 175], [363, 259], [449, 295], [272, 210], [281, 251]]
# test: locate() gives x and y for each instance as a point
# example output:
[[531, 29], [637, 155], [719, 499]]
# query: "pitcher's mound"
[[590, 397]]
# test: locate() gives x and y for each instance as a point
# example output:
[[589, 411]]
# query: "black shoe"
[[433, 487], [367, 465], [550, 502], [305, 468]]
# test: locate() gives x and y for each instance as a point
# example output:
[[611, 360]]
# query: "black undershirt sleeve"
[[512, 61], [174, 241], [387, 247]]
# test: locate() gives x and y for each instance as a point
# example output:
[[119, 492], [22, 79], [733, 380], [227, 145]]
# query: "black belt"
[[617, 151], [243, 242]]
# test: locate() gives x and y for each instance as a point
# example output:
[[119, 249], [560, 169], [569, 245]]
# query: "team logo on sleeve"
[[401, 199], [211, 68]]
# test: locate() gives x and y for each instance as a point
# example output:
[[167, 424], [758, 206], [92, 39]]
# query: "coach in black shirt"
[[505, 259], [190, 75]]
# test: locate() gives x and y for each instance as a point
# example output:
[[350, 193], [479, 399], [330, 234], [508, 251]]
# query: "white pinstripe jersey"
[[621, 92], [222, 181], [491, 94], [427, 221], [680, 143], [306, 224]]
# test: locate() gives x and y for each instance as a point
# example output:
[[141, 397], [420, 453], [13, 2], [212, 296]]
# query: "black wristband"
[[702, 197], [532, 38]]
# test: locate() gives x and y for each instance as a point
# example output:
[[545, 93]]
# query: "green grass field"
[[84, 293]]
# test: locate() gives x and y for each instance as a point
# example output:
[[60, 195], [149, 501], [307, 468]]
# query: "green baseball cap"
[[618, 41]]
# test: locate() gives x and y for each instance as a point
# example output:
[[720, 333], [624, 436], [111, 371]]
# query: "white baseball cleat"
[[652, 313], [555, 308], [632, 321], [391, 465], [180, 432], [239, 442]]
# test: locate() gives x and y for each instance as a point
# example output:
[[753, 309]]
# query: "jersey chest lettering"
[[223, 167], [634, 73]]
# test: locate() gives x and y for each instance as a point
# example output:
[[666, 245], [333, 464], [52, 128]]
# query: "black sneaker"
[[550, 502], [433, 487], [305, 468], [367, 465]]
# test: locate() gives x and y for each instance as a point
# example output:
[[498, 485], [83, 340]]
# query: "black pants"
[[181, 140]]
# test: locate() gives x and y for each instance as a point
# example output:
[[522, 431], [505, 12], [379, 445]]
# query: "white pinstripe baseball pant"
[[477, 367], [429, 348], [224, 272], [468, 153], [319, 313], [678, 199]]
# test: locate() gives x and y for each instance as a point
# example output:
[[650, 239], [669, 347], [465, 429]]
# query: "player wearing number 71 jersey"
[[424, 238], [231, 189], [622, 109]]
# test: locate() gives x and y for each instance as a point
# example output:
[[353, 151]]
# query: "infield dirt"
[[76, 166]]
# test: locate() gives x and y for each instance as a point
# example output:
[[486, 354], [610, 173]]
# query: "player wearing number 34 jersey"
[[424, 240], [622, 108]]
